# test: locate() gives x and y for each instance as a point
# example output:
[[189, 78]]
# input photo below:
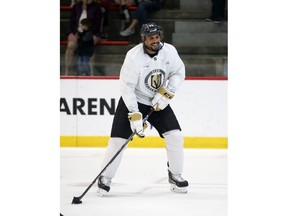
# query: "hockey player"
[[150, 75]]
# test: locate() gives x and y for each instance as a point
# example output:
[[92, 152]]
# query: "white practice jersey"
[[141, 76]]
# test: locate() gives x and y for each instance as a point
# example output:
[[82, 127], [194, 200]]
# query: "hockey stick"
[[77, 200]]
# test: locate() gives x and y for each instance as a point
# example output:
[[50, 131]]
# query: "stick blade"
[[76, 200]]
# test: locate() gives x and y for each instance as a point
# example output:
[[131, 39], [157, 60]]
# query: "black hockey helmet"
[[151, 29]]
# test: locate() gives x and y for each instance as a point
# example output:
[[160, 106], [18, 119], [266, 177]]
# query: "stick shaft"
[[112, 159]]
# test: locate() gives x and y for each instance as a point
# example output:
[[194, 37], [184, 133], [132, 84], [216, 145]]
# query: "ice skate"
[[178, 183], [103, 186]]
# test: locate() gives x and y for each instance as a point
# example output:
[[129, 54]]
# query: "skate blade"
[[176, 189], [100, 192]]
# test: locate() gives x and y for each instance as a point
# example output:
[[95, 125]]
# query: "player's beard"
[[154, 47]]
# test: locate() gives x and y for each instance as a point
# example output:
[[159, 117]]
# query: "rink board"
[[87, 108], [147, 142]]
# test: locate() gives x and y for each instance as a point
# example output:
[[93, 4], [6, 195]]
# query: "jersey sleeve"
[[129, 75], [177, 72]]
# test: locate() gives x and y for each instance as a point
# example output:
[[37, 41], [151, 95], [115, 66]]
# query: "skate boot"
[[178, 183], [103, 185]]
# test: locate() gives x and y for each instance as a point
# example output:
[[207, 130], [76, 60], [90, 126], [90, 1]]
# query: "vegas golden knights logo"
[[156, 81]]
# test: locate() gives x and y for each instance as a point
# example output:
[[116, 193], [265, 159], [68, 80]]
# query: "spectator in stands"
[[104, 4], [80, 10], [217, 11], [85, 47], [72, 2], [124, 12], [143, 7]]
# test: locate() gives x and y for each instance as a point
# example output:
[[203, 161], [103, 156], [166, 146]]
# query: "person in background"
[[143, 7], [104, 4], [85, 47], [217, 11], [81, 10], [72, 2], [151, 74], [124, 12]]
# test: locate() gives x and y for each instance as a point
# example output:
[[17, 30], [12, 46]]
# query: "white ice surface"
[[140, 187]]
